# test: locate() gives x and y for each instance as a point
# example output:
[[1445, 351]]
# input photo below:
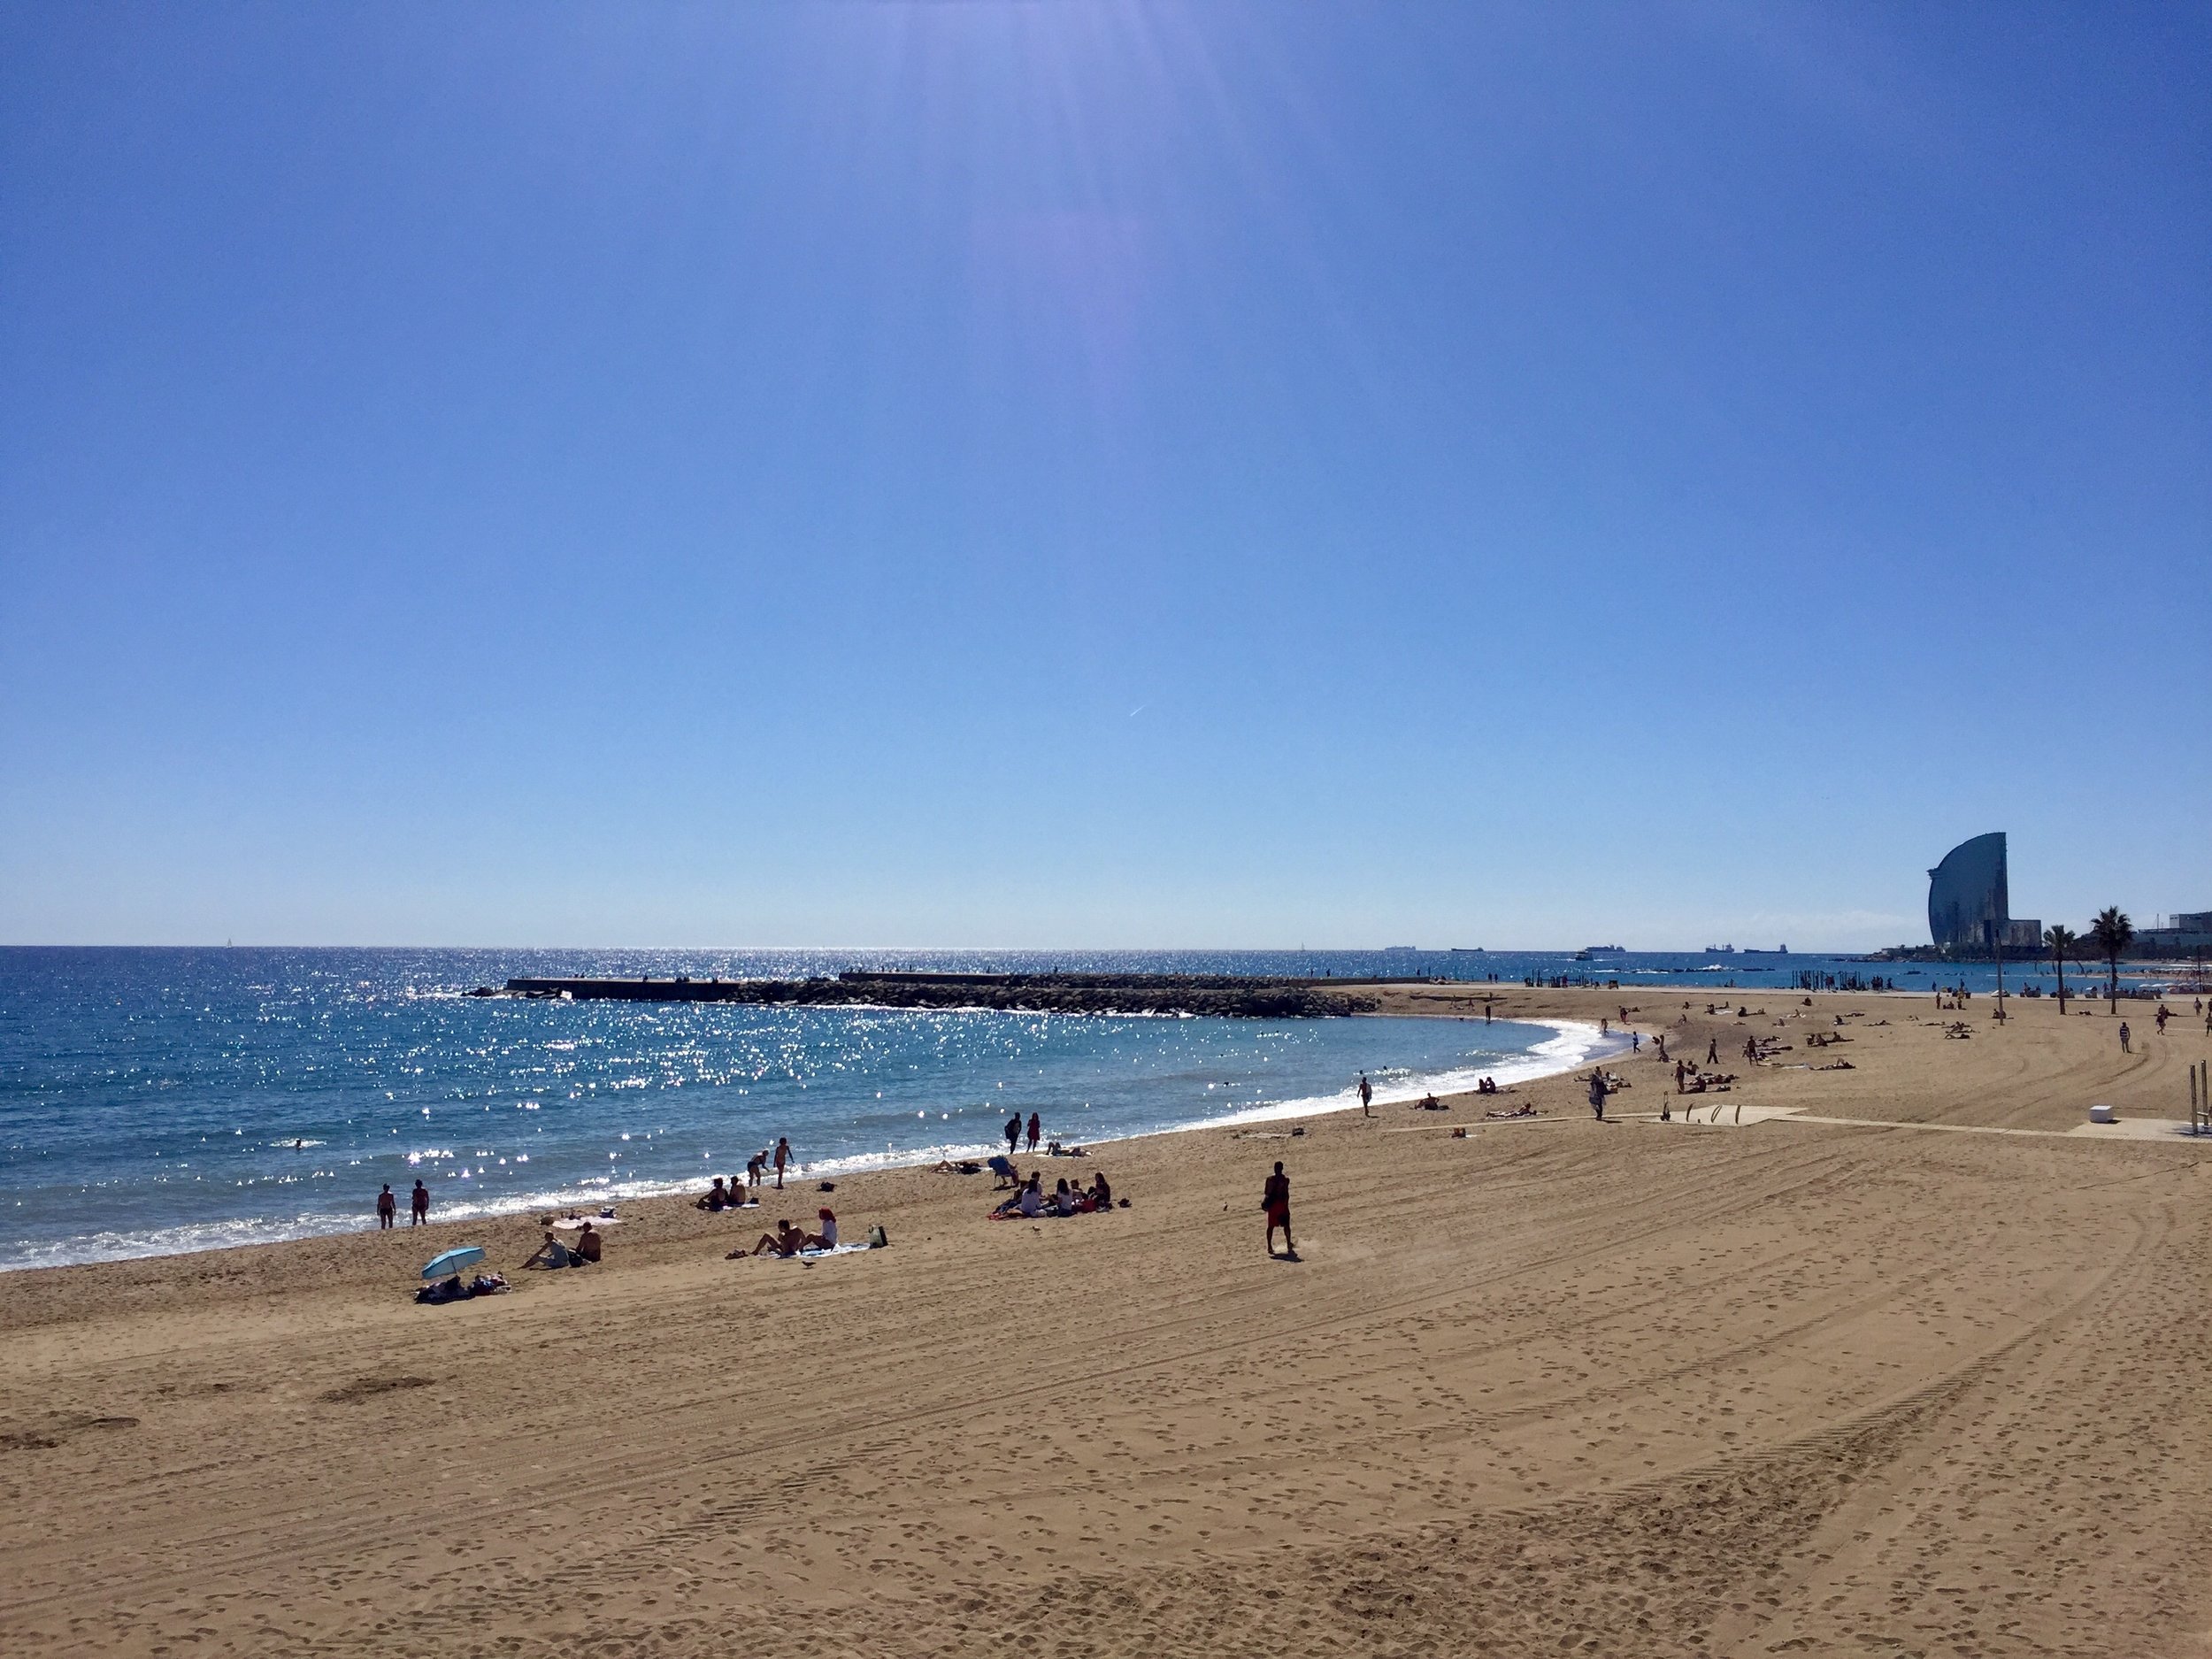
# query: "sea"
[[161, 1100]]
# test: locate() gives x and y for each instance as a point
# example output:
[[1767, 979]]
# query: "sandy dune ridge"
[[1554, 1387]]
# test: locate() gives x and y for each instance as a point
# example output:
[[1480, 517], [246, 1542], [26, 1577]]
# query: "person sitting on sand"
[[716, 1200], [1028, 1202], [826, 1239], [1430, 1103], [1063, 1199], [552, 1253], [785, 1241], [1100, 1195], [588, 1245]]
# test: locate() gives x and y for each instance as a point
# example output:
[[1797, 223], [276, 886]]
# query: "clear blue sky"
[[1031, 474]]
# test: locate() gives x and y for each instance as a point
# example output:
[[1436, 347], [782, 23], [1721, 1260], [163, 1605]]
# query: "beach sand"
[[1553, 1387]]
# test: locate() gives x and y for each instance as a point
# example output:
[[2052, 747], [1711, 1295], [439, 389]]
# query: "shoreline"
[[1813, 1383], [579, 1199]]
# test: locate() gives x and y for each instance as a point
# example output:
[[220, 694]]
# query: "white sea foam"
[[1577, 1044]]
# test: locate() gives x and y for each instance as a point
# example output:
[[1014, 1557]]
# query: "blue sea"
[[154, 1101]]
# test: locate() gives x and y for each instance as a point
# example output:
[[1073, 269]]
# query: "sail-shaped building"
[[1969, 900]]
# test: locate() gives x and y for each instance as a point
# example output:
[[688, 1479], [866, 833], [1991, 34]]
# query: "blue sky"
[[1034, 474]]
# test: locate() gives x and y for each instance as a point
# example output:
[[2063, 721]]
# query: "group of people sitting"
[[554, 1253], [733, 1196], [1029, 1199], [1689, 1081], [1488, 1086], [789, 1240]]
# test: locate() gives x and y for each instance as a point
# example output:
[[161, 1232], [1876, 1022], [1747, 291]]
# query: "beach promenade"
[[1637, 1388]]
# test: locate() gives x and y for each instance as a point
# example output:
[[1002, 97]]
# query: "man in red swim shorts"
[[1275, 1200]]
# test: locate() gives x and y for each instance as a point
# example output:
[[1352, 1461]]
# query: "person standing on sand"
[[421, 1205], [2123, 1039], [1366, 1095], [386, 1206], [1013, 1134], [1275, 1200], [783, 1156], [1036, 1128], [1712, 1052], [1597, 1094]]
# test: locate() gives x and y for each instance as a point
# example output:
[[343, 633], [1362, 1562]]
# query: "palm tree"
[[2112, 932], [2059, 938]]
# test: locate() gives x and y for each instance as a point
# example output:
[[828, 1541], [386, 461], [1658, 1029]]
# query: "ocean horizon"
[[161, 1099]]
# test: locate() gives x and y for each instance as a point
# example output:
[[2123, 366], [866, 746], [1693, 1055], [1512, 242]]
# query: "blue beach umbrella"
[[446, 1264]]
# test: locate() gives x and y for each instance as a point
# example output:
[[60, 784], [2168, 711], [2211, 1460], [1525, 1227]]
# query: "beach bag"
[[878, 1237]]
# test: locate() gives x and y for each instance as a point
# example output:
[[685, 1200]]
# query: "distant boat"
[[1605, 950], [1468, 950], [1779, 950], [1720, 950]]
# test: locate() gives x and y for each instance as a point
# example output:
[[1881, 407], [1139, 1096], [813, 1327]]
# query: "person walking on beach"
[[386, 1206], [1275, 1200], [1712, 1051], [1036, 1128], [783, 1156], [1366, 1095], [1013, 1134], [1597, 1094], [2123, 1039], [421, 1205]]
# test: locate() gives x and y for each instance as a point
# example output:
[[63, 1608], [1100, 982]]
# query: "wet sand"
[[1638, 1389]]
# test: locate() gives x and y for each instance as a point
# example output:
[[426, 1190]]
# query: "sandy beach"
[[1785, 1385]]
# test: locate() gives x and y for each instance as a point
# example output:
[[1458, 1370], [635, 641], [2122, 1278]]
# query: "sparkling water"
[[161, 1100]]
